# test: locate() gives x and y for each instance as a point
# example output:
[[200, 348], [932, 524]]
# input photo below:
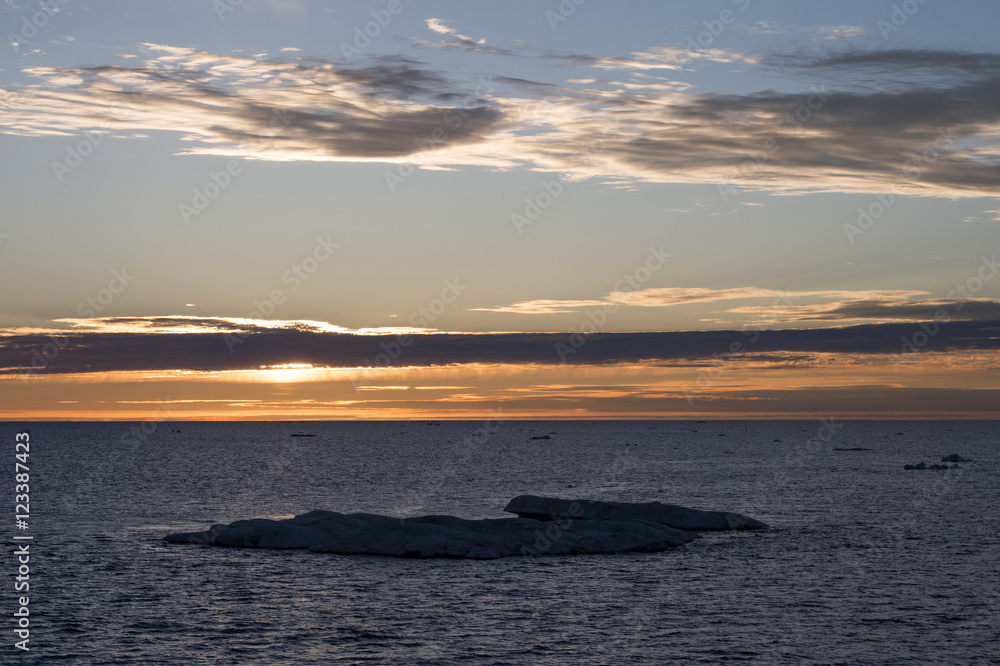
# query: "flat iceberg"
[[557, 527], [682, 518]]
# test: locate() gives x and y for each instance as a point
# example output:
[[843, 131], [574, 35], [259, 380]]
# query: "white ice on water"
[[545, 508], [545, 526]]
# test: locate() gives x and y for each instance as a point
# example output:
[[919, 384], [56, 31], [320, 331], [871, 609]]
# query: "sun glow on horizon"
[[927, 384], [289, 373]]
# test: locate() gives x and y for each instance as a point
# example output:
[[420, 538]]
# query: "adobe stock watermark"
[[898, 17], [213, 186], [422, 317], [597, 319], [715, 27], [928, 330], [802, 455], [550, 190], [295, 276], [914, 168], [553, 531], [469, 446], [910, 521], [706, 377], [621, 467], [363, 35], [534, 206], [87, 308], [563, 11], [218, 181], [94, 305], [139, 434], [802, 114], [452, 119], [32, 26], [223, 7], [109, 469], [796, 460], [78, 152]]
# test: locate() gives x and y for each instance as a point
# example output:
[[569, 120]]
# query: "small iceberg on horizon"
[[544, 526]]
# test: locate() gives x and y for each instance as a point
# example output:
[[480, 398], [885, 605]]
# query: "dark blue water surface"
[[864, 563]]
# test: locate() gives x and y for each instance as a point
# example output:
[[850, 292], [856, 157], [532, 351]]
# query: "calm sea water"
[[864, 562]]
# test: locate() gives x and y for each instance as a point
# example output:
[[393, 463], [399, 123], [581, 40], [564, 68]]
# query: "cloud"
[[908, 121], [98, 349], [541, 307], [666, 57], [182, 324], [987, 216], [670, 56], [893, 62], [438, 26], [671, 296], [840, 32], [969, 309], [249, 107], [667, 296], [471, 45]]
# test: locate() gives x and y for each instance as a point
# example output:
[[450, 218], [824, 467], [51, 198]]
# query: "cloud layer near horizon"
[[913, 121], [250, 344], [856, 305]]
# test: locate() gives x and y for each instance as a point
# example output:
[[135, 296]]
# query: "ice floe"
[[546, 526], [547, 508]]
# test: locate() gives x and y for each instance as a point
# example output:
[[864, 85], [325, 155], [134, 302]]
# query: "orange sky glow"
[[938, 385]]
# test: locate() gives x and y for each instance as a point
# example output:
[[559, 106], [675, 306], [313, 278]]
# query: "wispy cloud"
[[541, 307], [665, 57], [667, 296], [439, 26], [458, 40], [987, 216], [251, 107], [779, 311], [182, 324], [863, 115], [970, 309], [840, 32]]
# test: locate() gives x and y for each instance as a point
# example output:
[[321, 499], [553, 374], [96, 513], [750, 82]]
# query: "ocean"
[[864, 562]]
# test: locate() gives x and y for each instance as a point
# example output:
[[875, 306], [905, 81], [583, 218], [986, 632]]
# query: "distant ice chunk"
[[570, 527]]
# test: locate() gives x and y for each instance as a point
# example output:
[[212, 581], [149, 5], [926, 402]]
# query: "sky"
[[284, 209]]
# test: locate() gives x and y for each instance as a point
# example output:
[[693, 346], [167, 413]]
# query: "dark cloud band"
[[83, 352]]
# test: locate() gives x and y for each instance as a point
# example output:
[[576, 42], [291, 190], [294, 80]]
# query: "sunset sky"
[[283, 209]]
